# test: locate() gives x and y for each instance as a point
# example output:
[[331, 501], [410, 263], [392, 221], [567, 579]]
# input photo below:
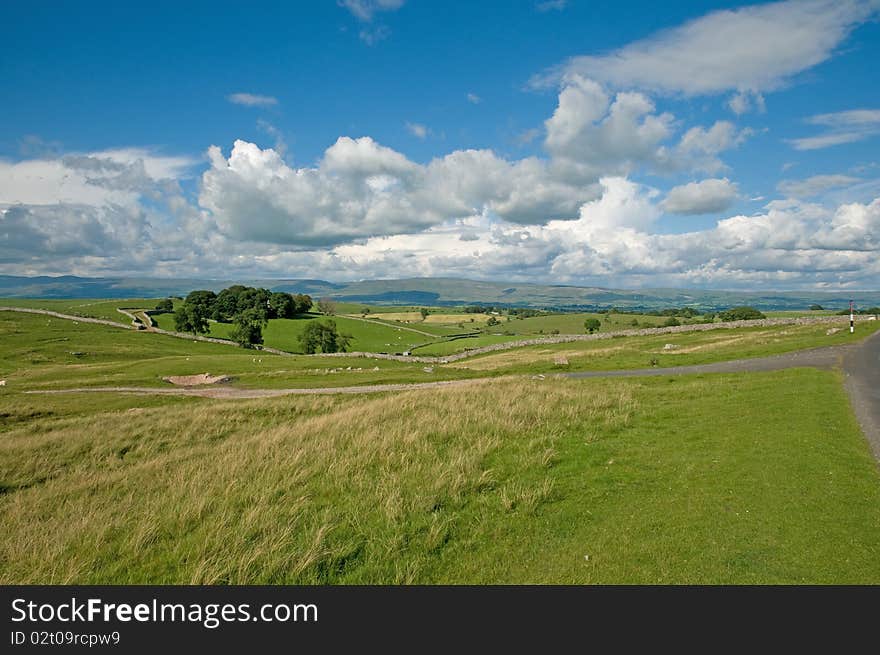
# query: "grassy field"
[[93, 308], [663, 350], [283, 333], [761, 478], [39, 352], [637, 352], [747, 478], [384, 329]]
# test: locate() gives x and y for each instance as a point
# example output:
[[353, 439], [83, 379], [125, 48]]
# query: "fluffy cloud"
[[595, 133], [700, 147], [367, 211], [362, 189], [706, 197], [605, 134], [743, 102], [612, 242], [763, 47], [842, 127], [110, 177], [91, 212]]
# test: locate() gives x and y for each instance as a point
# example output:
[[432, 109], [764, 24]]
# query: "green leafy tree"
[[743, 313], [191, 318], [671, 322], [226, 304], [248, 330], [193, 314], [166, 305], [591, 325], [302, 302], [252, 298], [281, 305], [322, 336], [202, 297], [424, 312]]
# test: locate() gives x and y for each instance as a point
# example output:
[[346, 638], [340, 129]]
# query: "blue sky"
[[612, 143]]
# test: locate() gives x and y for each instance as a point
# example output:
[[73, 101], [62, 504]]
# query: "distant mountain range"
[[437, 291]]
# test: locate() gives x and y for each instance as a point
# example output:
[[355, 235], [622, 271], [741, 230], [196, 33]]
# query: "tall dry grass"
[[289, 490]]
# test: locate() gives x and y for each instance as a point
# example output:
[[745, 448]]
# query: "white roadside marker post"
[[851, 318]]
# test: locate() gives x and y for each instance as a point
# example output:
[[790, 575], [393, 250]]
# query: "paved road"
[[861, 366], [860, 363]]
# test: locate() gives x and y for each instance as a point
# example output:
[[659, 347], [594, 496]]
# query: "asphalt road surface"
[[860, 363]]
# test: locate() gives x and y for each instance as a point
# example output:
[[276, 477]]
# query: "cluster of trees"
[[483, 309], [861, 312], [743, 313], [238, 298], [592, 324], [524, 312], [249, 309], [678, 312], [322, 336]]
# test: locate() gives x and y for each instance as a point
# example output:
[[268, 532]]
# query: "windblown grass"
[[749, 478]]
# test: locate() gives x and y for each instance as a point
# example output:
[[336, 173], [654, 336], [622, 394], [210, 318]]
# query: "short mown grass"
[[751, 478]]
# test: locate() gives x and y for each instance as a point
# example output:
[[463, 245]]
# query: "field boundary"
[[571, 338]]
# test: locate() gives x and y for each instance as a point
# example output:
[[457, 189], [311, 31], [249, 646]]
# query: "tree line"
[[247, 308]]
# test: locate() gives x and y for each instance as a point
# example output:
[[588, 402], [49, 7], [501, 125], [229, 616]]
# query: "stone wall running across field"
[[568, 338]]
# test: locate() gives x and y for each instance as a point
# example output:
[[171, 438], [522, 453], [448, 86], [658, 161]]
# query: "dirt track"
[[860, 363], [222, 391]]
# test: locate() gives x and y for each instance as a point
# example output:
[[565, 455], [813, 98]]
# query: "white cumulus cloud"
[[706, 197]]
